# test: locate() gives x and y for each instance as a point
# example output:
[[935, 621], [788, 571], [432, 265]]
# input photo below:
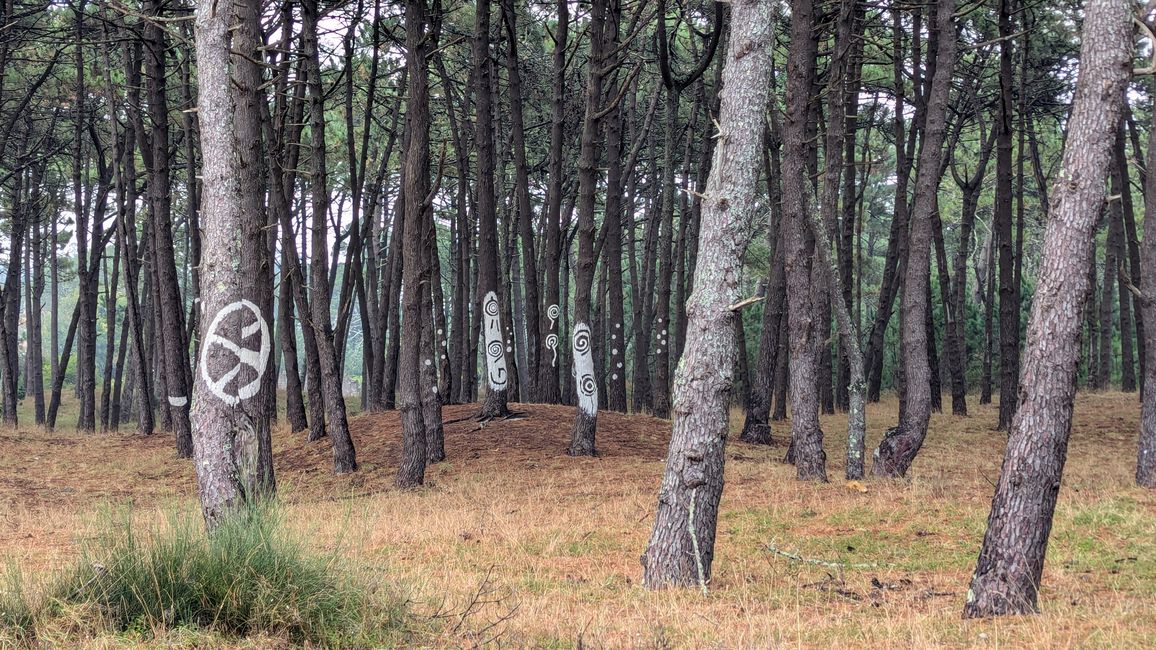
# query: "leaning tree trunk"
[[344, 455], [230, 412], [1146, 458], [1011, 561], [899, 447], [681, 546]]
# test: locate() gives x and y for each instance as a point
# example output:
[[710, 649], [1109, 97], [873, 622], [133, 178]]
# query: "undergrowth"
[[249, 577]]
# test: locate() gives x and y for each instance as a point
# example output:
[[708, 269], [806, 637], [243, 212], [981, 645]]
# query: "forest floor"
[[511, 541]]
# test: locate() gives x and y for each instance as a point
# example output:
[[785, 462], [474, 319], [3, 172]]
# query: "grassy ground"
[[514, 542]]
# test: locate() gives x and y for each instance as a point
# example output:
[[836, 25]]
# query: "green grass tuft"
[[249, 577]]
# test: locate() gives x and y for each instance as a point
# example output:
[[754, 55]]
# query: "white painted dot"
[[445, 344], [509, 349], [613, 337], [614, 376], [619, 364], [618, 326], [657, 350], [443, 357], [441, 331], [664, 332], [614, 351], [429, 362]]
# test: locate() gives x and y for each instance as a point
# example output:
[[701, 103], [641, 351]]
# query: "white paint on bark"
[[246, 355], [495, 350], [584, 370]]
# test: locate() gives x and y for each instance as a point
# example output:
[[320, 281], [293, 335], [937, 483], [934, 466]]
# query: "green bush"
[[248, 577]]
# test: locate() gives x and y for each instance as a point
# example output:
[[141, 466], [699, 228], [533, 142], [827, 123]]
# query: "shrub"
[[248, 577]]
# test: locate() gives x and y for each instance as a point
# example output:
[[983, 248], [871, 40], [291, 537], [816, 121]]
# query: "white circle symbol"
[[245, 355]]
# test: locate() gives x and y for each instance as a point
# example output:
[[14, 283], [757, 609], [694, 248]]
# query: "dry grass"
[[546, 547]]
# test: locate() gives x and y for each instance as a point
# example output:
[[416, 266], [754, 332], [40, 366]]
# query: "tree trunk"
[[1009, 309], [756, 425], [489, 280], [411, 471], [899, 447], [344, 455], [170, 308], [582, 343], [1011, 561], [805, 283], [230, 414], [681, 548], [1146, 457]]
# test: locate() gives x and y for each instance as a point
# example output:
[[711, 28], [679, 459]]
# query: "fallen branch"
[[824, 563]]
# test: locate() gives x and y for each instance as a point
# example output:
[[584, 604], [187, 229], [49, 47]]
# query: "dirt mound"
[[536, 435]]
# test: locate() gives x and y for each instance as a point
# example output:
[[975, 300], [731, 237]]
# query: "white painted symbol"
[[429, 362], [495, 351], [618, 326], [614, 352], [584, 370], [553, 311], [552, 345], [614, 376], [257, 359], [178, 401]]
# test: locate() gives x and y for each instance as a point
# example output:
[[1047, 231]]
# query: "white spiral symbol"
[[582, 341], [552, 345], [552, 312]]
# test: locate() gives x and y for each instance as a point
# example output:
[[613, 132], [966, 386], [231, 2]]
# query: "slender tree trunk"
[[681, 549], [1011, 561], [411, 471], [548, 326], [1009, 309], [900, 445], [344, 455], [1146, 456], [489, 278], [169, 307], [756, 425], [582, 343], [805, 282]]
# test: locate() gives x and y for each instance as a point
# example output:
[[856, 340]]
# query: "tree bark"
[[230, 414], [681, 548], [344, 455], [489, 280], [1011, 561], [1146, 456], [170, 308], [895, 453], [805, 283], [411, 470]]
